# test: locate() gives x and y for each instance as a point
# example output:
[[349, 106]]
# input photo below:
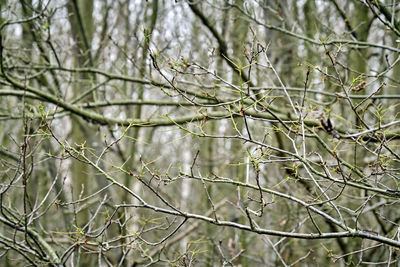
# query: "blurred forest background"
[[199, 133]]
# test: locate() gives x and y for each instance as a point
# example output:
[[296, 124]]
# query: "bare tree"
[[187, 133]]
